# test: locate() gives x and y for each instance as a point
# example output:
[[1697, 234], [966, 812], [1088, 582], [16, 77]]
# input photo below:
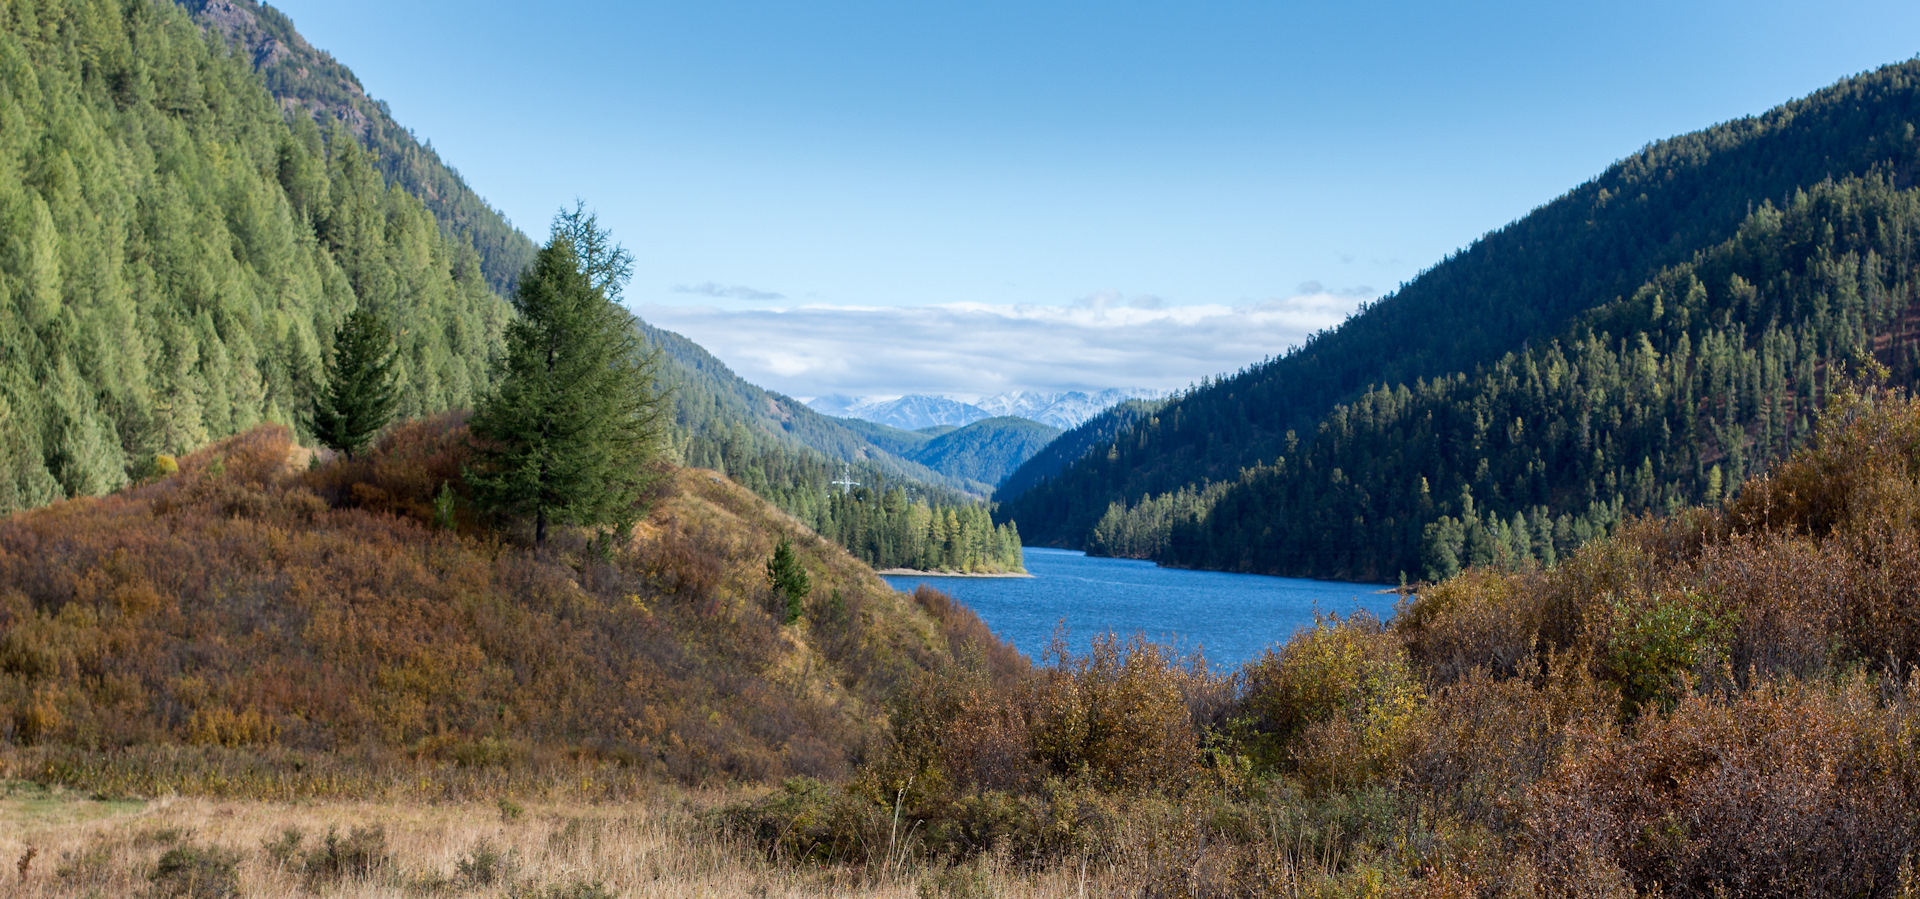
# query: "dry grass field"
[[63, 844]]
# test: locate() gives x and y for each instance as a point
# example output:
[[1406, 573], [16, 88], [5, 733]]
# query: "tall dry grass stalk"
[[654, 847]]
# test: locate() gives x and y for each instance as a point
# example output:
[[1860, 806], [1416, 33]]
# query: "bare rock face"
[[301, 76]]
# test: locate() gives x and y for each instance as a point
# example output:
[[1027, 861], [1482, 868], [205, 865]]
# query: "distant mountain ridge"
[[1058, 409]]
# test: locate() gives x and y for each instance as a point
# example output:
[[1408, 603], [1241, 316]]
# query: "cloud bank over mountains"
[[971, 350]]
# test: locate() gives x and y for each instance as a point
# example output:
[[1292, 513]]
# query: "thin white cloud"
[[727, 291], [977, 349]]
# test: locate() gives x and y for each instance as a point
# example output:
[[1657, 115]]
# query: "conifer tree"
[[576, 421], [359, 397], [789, 581]]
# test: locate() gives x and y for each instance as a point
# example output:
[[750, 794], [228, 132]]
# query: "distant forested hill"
[[1645, 340], [986, 451], [308, 81], [174, 254], [894, 512]]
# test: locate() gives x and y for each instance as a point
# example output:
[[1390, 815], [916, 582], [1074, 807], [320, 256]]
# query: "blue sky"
[[962, 198]]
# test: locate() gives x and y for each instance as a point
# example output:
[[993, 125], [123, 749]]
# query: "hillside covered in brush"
[[257, 602], [1719, 702], [1642, 342], [175, 253]]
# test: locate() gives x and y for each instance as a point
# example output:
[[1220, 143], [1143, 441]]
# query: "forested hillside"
[[307, 81], [986, 451], [174, 255], [178, 243], [1669, 397], [1098, 431], [896, 513], [1560, 284]]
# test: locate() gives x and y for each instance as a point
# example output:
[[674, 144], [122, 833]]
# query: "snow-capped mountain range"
[[913, 412]]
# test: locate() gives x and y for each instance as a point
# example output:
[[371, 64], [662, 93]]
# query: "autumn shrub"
[[483, 866], [1339, 703], [358, 855], [1653, 646], [1118, 715], [1482, 618], [1788, 789], [197, 872], [1858, 476], [1486, 738], [253, 605], [405, 472], [810, 821]]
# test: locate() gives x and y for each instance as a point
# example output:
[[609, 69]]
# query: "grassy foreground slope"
[[251, 603]]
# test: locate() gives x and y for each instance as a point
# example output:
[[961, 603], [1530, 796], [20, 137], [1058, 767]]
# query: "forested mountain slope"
[[1524, 286], [174, 255], [893, 513], [1096, 432], [986, 451], [1705, 375], [306, 80]]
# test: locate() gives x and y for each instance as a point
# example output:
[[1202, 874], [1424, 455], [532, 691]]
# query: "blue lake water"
[[1230, 617]]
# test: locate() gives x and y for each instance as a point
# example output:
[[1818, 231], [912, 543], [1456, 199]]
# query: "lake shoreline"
[[915, 572]]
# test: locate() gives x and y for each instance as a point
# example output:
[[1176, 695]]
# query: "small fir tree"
[[360, 395], [789, 581], [571, 432]]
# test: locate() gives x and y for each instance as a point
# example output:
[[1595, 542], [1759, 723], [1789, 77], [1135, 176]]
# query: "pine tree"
[[359, 397], [789, 581], [576, 421]]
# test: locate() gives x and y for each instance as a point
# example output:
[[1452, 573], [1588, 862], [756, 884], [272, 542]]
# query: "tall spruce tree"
[[570, 434], [360, 394]]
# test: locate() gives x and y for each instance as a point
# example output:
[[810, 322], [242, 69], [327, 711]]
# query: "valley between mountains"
[[355, 542]]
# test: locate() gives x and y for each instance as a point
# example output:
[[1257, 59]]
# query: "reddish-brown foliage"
[[247, 602]]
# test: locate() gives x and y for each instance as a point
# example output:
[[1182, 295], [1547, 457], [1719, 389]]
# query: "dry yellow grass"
[[654, 847]]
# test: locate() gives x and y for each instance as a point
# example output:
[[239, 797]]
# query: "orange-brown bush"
[[248, 602], [1715, 703], [1787, 789], [1122, 718]]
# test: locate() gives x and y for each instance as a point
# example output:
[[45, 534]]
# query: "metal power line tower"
[[846, 482]]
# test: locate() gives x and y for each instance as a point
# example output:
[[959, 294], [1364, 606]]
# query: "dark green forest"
[[986, 451], [1667, 398], [1242, 472], [174, 255]]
